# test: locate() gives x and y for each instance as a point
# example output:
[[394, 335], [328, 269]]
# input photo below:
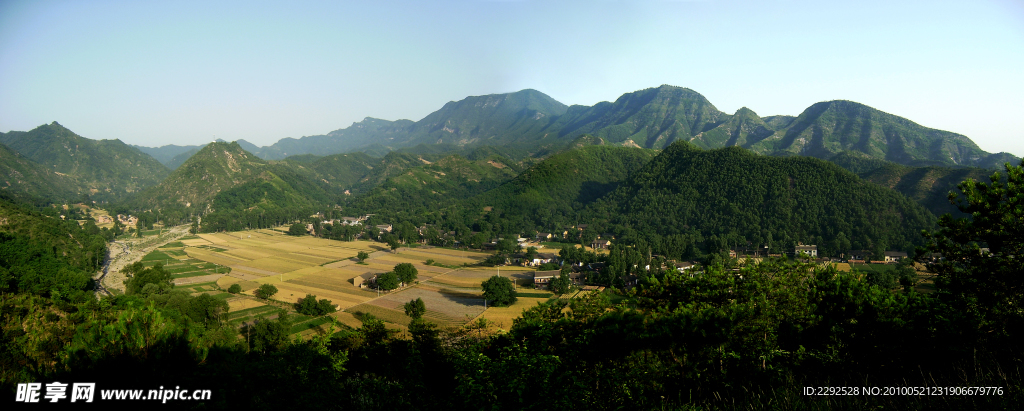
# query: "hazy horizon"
[[188, 72]]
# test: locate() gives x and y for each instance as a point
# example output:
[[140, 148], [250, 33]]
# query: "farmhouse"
[[600, 244], [385, 227], [858, 256], [541, 279], [543, 258], [894, 256], [543, 236], [350, 220], [104, 219], [809, 250], [364, 280]]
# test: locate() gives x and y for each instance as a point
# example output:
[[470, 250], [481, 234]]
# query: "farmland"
[[298, 266]]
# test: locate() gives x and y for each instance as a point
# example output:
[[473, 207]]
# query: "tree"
[[363, 255], [266, 335], [297, 229], [265, 291], [978, 260], [562, 284], [307, 305], [531, 253], [406, 272], [235, 289], [310, 306], [505, 247], [325, 306], [499, 291], [194, 229], [158, 279], [415, 308], [387, 281], [392, 242]]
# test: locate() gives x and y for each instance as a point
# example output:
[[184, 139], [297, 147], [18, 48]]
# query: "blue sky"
[[155, 73]]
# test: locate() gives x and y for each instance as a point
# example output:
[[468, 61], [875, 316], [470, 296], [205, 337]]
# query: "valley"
[[649, 240]]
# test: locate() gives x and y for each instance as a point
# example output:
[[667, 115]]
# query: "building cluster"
[[127, 220]]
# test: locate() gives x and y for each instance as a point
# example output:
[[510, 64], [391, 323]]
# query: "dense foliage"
[[499, 291], [687, 197], [45, 255], [310, 306]]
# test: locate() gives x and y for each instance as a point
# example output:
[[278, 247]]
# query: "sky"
[[183, 72]]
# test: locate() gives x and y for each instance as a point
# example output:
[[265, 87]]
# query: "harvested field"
[[196, 242], [386, 314], [211, 238], [242, 303], [276, 265], [347, 319], [455, 308], [202, 278]]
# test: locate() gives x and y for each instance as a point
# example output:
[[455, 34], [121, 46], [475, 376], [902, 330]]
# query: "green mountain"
[[730, 196], [929, 186], [431, 185], [107, 169], [551, 193], [26, 179], [741, 129], [223, 176], [828, 128], [652, 118]]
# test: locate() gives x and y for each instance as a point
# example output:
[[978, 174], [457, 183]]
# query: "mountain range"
[[650, 118]]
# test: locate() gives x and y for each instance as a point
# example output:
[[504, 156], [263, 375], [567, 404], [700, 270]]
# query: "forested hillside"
[[929, 186], [728, 197], [107, 169], [226, 179], [439, 184], [45, 254], [551, 193], [828, 128], [28, 180]]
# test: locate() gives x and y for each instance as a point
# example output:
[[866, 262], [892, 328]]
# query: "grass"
[[878, 268], [303, 326], [156, 255], [176, 244], [252, 312]]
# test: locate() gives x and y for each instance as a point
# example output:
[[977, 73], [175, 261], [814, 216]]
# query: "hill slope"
[[108, 169], [929, 186], [428, 187], [551, 193], [223, 177], [828, 128], [727, 197], [26, 179]]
